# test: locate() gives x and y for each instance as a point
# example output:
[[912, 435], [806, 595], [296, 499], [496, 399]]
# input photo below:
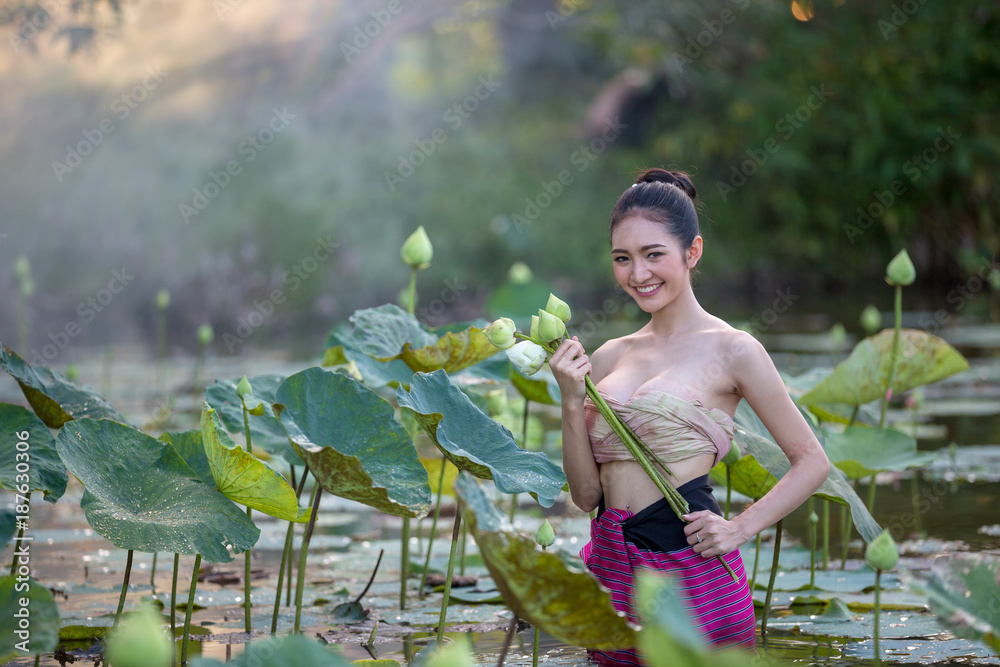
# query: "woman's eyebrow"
[[642, 249]]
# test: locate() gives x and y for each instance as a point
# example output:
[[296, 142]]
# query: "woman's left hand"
[[718, 536]]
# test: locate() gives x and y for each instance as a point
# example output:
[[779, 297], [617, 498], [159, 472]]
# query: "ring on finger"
[[698, 535]]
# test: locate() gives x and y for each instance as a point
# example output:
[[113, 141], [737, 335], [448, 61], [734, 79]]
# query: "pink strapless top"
[[674, 428]]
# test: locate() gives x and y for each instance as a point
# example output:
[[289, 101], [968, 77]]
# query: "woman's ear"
[[694, 252]]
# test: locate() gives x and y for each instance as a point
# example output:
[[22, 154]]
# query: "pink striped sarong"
[[620, 542]]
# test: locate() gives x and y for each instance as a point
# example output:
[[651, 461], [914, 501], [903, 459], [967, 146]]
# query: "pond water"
[[961, 417]]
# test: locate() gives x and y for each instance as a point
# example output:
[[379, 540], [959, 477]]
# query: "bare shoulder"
[[604, 358]]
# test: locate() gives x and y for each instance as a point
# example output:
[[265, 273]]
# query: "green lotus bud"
[[558, 307], [900, 270], [534, 327], [163, 299], [881, 553], [22, 267], [871, 319], [519, 273], [205, 334], [527, 357], [140, 641], [243, 388], [838, 334], [501, 332], [496, 401], [417, 250], [994, 280], [27, 287], [733, 455], [550, 327], [813, 518], [545, 535]]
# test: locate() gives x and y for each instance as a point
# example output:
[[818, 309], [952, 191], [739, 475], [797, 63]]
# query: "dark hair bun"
[[678, 178]]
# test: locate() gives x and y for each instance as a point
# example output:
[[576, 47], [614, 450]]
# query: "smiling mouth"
[[648, 289]]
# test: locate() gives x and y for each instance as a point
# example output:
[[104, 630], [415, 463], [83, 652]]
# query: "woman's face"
[[649, 263]]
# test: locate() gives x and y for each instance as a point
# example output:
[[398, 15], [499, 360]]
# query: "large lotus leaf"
[[290, 651], [41, 614], [540, 389], [53, 396], [746, 476], [552, 590], [964, 592], [474, 442], [921, 359], [141, 495], [352, 443], [861, 451], [242, 477], [266, 431], [45, 471], [340, 349], [191, 448], [753, 438]]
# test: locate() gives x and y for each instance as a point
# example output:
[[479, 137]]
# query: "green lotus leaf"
[[746, 476], [964, 592], [8, 526], [340, 349], [266, 431], [242, 477], [921, 359], [191, 448], [861, 451], [45, 470], [552, 590], [42, 615], [753, 438], [540, 389], [141, 495], [474, 442], [290, 651], [352, 443], [54, 397]]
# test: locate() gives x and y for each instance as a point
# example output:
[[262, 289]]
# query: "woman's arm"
[[760, 384], [570, 366]]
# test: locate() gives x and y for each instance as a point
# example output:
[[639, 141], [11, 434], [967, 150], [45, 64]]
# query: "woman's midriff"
[[626, 484]]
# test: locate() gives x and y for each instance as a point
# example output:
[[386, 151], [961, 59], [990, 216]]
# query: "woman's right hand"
[[570, 365]]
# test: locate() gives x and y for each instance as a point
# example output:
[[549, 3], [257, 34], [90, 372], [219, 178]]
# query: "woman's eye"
[[620, 257], [654, 254]]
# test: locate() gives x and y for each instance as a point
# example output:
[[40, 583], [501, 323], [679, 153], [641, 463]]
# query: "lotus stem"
[[434, 523], [826, 534], [291, 548], [152, 572], [248, 624], [892, 358], [173, 599], [878, 575], [534, 651], [121, 598], [411, 300], [404, 561], [289, 534], [190, 608], [303, 554], [511, 629], [451, 570], [756, 561], [770, 582], [729, 489], [812, 556]]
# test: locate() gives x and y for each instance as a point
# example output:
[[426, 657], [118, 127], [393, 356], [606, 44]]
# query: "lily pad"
[[245, 479], [921, 359], [964, 593], [190, 446], [861, 451], [141, 495], [753, 438], [42, 633], [41, 467], [550, 589], [266, 430], [474, 442], [352, 443], [54, 397]]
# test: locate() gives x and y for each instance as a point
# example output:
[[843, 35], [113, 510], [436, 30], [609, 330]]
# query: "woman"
[[676, 382]]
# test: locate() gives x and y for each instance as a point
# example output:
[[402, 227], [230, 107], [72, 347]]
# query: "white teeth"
[[645, 290]]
